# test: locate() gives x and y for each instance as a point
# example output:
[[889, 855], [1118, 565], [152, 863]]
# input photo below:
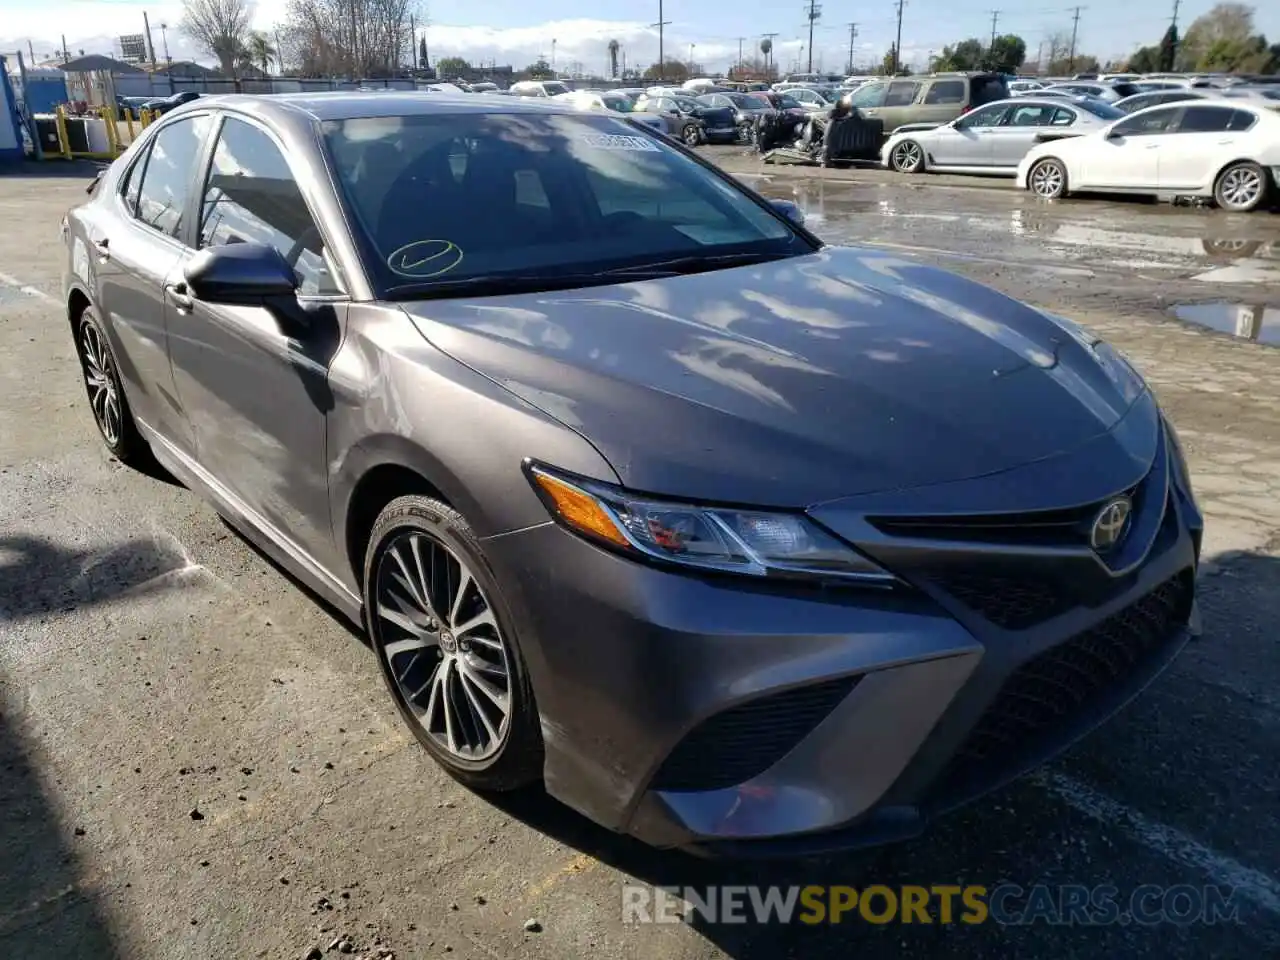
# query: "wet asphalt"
[[197, 760]]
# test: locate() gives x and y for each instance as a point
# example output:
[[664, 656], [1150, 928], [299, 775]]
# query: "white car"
[[609, 102], [1019, 87], [995, 137], [1225, 149]]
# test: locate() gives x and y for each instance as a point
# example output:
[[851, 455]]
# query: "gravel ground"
[[197, 760]]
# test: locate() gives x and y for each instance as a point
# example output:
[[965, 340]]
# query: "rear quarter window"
[[945, 91], [987, 90]]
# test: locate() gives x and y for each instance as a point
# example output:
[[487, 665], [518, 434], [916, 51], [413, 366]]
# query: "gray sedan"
[[995, 137], [737, 541]]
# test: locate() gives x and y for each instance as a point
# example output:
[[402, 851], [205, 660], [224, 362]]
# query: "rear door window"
[[1205, 120], [1062, 117], [945, 91], [1035, 115], [167, 179]]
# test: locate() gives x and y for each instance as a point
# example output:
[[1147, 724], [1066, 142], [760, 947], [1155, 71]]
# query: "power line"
[[853, 35], [815, 12], [897, 44], [1075, 26]]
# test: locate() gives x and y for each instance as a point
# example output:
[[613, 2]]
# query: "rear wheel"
[[1241, 187], [110, 409], [447, 647], [907, 157], [1048, 179], [691, 135]]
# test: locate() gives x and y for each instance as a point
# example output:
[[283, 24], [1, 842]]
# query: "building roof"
[[96, 61]]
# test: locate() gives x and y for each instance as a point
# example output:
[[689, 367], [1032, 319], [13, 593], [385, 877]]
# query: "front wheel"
[[1241, 187], [907, 157], [447, 646], [1048, 179], [691, 135]]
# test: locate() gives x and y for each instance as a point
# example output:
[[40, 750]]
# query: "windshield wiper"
[[495, 285], [695, 263]]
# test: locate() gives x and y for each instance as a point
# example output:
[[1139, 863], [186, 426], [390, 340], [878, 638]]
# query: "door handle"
[[177, 292], [1227, 142], [1153, 146]]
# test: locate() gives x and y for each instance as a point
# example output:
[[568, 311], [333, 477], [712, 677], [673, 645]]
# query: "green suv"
[[928, 100]]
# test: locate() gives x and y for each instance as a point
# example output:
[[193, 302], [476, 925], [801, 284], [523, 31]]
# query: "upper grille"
[[744, 741], [1061, 687], [1068, 527]]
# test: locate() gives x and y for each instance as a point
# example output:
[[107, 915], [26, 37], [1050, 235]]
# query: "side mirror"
[[789, 210], [1114, 134], [239, 274]]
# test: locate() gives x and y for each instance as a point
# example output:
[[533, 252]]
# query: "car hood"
[[792, 382]]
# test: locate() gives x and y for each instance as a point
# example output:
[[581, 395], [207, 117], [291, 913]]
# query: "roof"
[[96, 61], [350, 104]]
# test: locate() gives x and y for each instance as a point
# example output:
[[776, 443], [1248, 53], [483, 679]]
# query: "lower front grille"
[[1068, 687], [744, 741], [1010, 602]]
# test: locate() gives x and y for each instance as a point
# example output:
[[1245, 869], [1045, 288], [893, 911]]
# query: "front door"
[[1129, 156], [254, 382]]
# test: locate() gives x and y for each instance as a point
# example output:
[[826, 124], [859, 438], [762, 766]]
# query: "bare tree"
[[218, 27], [359, 38]]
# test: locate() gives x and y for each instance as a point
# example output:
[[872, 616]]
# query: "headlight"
[[750, 542]]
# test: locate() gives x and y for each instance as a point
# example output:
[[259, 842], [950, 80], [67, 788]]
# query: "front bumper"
[[734, 718]]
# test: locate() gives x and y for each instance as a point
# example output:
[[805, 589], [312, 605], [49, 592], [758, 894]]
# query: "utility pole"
[[815, 11], [1075, 26], [1176, 38], [662, 57], [853, 35], [151, 50], [413, 39], [1040, 59], [995, 18], [897, 44], [741, 40]]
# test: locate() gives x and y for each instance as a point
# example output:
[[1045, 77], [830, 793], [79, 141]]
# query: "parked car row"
[[1205, 144]]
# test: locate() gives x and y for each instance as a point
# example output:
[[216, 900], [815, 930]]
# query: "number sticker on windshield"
[[606, 141]]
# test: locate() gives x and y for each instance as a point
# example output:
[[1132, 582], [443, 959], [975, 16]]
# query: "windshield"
[[554, 87], [687, 104], [1099, 108], [460, 197], [619, 103], [786, 102], [748, 101]]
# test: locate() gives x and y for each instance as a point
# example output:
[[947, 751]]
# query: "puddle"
[[1257, 322]]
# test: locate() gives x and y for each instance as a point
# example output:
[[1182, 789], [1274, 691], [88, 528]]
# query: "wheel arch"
[[1223, 168], [77, 303], [1056, 158]]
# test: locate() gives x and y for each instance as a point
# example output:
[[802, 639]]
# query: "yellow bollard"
[[128, 122], [64, 141], [113, 132]]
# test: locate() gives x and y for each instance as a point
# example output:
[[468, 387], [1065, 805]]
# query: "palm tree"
[[260, 50], [766, 48], [614, 47]]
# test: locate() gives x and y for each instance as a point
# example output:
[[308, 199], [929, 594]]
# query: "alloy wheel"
[[441, 642], [100, 379], [691, 137], [1048, 180], [906, 156], [1240, 189]]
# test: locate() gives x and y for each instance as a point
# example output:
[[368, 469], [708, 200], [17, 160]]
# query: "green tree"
[[674, 70], [1007, 54], [1168, 49], [1225, 22], [889, 65], [452, 67], [965, 55], [260, 51], [538, 70], [1145, 60]]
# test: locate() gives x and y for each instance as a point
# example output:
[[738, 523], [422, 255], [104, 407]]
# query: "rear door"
[[135, 247], [943, 100], [1020, 130], [1192, 153]]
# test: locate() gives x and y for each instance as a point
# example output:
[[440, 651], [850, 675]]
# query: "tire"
[[107, 402], [461, 724], [1241, 187], [1048, 179], [907, 157], [691, 135]]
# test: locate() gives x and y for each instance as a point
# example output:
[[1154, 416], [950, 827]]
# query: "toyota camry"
[[739, 542]]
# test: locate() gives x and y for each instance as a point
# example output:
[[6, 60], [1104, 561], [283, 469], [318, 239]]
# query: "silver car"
[[995, 137]]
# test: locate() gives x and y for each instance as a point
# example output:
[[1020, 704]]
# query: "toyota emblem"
[[1111, 524]]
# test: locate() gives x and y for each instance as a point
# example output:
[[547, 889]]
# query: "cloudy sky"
[[508, 31]]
